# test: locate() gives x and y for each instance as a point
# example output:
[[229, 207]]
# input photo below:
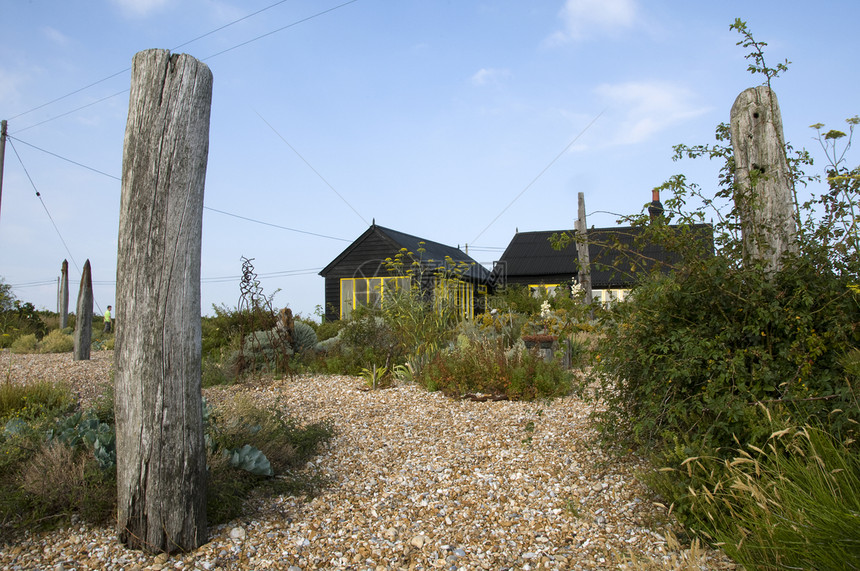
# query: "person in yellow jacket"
[[107, 320]]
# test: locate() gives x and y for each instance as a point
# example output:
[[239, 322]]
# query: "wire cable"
[[209, 33], [540, 174], [274, 225], [312, 168], [296, 23], [39, 196], [74, 110], [205, 207], [177, 47], [67, 159]]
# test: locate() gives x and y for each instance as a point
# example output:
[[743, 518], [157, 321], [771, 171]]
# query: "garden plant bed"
[[416, 481]]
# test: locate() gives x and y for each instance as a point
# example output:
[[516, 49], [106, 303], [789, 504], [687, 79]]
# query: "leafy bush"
[[709, 358], [18, 319], [25, 344], [57, 342], [486, 367], [680, 362]]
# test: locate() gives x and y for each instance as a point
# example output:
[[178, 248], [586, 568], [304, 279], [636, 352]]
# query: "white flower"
[[575, 289], [545, 309]]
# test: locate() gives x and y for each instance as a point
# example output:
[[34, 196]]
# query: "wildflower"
[[545, 309]]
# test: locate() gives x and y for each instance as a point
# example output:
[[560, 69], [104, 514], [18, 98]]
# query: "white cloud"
[[645, 108], [486, 76], [55, 36], [139, 8], [585, 18]]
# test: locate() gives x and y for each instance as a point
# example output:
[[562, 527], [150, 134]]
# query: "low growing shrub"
[[25, 344], [793, 504], [484, 366], [56, 342]]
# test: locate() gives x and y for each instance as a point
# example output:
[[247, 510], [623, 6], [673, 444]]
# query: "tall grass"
[[793, 505]]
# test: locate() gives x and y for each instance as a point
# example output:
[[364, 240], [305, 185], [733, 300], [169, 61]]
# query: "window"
[[538, 289], [610, 296], [456, 295], [368, 292]]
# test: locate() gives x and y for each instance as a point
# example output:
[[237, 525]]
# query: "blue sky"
[[457, 121]]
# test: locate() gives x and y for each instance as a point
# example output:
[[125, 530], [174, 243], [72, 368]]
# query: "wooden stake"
[[764, 193], [582, 250], [161, 457], [84, 316]]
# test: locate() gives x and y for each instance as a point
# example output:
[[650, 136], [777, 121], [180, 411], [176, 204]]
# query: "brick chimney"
[[656, 207]]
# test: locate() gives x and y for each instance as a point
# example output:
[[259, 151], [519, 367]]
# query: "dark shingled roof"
[[531, 258], [433, 256]]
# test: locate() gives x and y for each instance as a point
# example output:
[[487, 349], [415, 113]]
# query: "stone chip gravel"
[[416, 481]]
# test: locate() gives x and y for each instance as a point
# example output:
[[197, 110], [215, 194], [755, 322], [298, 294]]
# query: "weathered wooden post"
[[64, 295], [84, 316], [582, 250], [764, 193], [161, 458]]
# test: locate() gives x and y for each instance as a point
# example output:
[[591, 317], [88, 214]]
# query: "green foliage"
[[221, 332], [21, 319], [29, 402], [329, 329], [705, 361], [792, 504], [376, 377], [89, 432], [7, 298], [365, 339], [243, 437], [485, 366], [682, 362], [25, 344], [50, 468], [55, 463], [305, 336], [56, 342], [250, 459]]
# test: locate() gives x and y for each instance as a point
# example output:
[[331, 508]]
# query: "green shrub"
[[792, 504], [484, 366], [329, 329], [249, 432], [25, 344], [42, 399], [56, 342]]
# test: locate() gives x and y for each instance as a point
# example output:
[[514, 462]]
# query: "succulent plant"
[[250, 459]]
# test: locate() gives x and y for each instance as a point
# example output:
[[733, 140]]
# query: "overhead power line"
[[39, 196], [540, 174], [316, 172], [114, 177], [241, 44], [275, 225]]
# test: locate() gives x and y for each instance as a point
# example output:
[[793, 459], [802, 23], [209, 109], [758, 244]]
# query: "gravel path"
[[419, 481]]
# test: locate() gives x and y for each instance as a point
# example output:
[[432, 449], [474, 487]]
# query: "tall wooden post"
[[64, 295], [582, 250], [161, 458], [764, 193], [2, 155], [84, 316]]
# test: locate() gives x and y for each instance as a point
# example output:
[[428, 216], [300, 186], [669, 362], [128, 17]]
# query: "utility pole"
[[2, 155]]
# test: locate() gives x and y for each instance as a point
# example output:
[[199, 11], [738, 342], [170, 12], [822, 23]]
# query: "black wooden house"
[[618, 256], [365, 273]]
